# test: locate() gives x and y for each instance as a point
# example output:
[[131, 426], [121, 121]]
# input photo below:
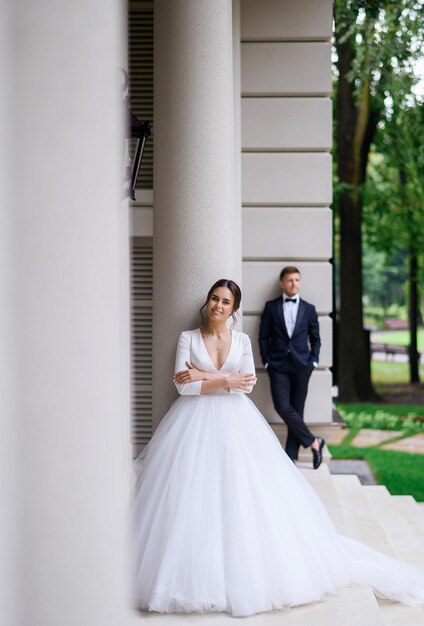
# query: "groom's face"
[[290, 284]]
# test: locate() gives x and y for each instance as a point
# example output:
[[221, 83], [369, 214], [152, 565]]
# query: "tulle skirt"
[[224, 521]]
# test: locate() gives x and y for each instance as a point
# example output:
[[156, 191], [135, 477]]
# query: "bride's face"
[[220, 304]]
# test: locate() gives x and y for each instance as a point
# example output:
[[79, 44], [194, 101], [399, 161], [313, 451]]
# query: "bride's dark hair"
[[235, 290]]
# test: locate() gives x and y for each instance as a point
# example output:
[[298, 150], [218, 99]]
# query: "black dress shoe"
[[317, 454]]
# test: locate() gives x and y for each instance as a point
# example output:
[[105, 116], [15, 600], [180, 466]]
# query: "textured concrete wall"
[[285, 68], [285, 179], [286, 20], [284, 80], [286, 124], [286, 169]]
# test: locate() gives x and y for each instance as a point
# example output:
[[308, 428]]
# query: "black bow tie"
[[290, 300]]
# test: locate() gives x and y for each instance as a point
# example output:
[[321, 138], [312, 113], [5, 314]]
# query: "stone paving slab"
[[397, 614], [370, 437], [337, 436], [413, 444], [347, 466]]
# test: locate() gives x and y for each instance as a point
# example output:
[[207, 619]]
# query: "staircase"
[[391, 524]]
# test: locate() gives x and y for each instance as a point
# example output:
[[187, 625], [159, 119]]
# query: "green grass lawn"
[[389, 372], [376, 314], [398, 337], [400, 472], [400, 410]]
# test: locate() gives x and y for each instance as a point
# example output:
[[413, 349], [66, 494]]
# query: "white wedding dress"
[[224, 521]]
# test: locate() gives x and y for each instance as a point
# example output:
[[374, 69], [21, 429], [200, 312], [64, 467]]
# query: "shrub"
[[382, 420]]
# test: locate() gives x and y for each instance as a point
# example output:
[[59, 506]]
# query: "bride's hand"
[[189, 375], [241, 382]]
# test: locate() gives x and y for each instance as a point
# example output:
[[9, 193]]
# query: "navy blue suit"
[[289, 363]]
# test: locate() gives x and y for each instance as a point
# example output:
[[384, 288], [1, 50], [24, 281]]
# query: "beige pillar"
[[71, 258], [237, 212], [10, 485], [193, 172]]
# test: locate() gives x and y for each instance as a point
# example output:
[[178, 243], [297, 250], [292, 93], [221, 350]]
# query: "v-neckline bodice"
[[217, 369]]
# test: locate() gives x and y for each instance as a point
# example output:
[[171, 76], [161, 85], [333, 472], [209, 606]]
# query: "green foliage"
[[384, 278], [385, 39], [377, 44], [400, 472], [393, 210], [394, 191], [399, 410], [375, 314], [382, 420]]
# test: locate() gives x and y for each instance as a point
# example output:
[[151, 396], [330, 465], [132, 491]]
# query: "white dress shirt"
[[290, 310]]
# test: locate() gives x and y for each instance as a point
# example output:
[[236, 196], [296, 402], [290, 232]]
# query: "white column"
[[193, 172], [10, 487], [237, 213], [72, 314]]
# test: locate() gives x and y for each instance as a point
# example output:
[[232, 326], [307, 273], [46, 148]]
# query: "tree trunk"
[[354, 368], [353, 133], [414, 376], [413, 304]]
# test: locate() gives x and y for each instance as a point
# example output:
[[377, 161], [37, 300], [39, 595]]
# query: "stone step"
[[363, 513], [400, 532], [322, 483], [398, 614], [362, 522], [413, 513], [403, 522]]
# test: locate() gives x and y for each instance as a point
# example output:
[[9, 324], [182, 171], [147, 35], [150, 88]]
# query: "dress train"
[[224, 521]]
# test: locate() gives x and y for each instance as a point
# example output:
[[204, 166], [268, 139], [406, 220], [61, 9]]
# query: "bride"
[[223, 520]]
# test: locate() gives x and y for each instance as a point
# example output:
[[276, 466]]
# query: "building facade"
[[240, 183]]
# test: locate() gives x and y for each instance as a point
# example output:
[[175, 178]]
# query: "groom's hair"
[[290, 269]]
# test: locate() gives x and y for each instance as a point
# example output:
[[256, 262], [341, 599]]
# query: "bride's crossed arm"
[[194, 381], [213, 381]]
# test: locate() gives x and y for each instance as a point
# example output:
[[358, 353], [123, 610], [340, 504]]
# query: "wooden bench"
[[390, 349]]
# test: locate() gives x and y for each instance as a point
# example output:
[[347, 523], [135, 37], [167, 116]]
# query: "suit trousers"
[[289, 388]]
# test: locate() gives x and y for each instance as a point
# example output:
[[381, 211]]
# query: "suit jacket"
[[275, 344]]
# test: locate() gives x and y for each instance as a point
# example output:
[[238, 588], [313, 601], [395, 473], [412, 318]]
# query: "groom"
[[289, 343]]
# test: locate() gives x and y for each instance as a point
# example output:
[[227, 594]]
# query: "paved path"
[[367, 437], [394, 358], [413, 444], [347, 466]]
